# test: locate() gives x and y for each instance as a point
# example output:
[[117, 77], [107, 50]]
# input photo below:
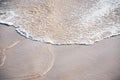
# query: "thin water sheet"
[[63, 21]]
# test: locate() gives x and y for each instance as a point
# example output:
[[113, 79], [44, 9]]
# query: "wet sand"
[[100, 61], [21, 58]]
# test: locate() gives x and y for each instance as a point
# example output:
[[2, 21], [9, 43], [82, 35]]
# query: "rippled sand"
[[63, 21]]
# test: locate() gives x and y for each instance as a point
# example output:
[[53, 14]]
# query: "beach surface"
[[100, 61], [21, 58]]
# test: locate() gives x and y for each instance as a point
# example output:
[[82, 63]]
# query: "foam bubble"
[[64, 22]]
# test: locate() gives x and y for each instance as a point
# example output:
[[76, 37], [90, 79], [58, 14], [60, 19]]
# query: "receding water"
[[63, 21]]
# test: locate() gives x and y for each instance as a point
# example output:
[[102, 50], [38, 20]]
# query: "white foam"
[[53, 22]]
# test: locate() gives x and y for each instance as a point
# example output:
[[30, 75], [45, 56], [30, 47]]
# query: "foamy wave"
[[63, 21]]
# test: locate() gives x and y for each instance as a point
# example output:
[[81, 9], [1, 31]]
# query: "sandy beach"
[[37, 40], [21, 58], [100, 61]]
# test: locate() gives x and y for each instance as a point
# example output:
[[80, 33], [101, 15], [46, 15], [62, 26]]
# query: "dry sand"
[[100, 61]]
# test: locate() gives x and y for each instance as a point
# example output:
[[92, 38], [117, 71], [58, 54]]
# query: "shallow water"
[[21, 58], [63, 21]]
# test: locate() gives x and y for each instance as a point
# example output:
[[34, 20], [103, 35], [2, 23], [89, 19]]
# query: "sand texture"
[[75, 22], [22, 58], [100, 61]]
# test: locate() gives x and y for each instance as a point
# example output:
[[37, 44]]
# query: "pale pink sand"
[[25, 59], [100, 61]]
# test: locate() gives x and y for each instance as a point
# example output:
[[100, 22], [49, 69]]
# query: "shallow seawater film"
[[63, 21], [21, 58], [50, 21]]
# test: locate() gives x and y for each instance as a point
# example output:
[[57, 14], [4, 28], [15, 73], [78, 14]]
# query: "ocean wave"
[[63, 21]]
